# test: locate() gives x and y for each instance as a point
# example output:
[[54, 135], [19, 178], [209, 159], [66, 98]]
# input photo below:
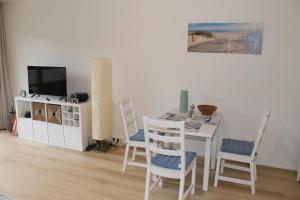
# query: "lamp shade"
[[101, 97]]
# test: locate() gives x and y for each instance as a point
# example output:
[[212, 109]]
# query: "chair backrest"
[[261, 131], [173, 133], [128, 116]]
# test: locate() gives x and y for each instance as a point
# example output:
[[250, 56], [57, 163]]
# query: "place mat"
[[173, 117], [207, 119], [215, 120], [202, 119], [192, 125], [167, 116]]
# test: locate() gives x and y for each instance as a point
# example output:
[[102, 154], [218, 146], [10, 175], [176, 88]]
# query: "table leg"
[[213, 153], [206, 164]]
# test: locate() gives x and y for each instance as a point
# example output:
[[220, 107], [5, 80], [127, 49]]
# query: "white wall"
[[147, 41]]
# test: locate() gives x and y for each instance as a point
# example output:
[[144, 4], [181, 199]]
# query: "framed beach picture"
[[239, 38]]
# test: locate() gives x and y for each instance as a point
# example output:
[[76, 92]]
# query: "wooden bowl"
[[207, 109]]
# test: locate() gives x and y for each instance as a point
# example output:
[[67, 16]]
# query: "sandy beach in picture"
[[240, 38]]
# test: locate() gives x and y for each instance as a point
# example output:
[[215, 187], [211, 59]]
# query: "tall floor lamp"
[[101, 97]]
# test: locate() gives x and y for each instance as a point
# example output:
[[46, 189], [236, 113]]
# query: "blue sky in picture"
[[224, 27]]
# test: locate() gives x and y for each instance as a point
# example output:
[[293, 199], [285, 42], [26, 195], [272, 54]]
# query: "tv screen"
[[47, 80]]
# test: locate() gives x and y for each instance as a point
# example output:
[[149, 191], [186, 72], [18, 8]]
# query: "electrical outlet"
[[115, 141]]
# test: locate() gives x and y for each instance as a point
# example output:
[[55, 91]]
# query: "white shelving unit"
[[73, 132], [71, 116]]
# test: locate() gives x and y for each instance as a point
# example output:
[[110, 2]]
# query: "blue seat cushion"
[[173, 162], [237, 146], [138, 136]]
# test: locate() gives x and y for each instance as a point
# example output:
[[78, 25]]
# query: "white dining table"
[[207, 131]]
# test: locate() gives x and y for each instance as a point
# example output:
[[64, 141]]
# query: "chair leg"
[[222, 166], [255, 171], [160, 183], [133, 154], [154, 178], [217, 171], [125, 157], [252, 177], [147, 185], [181, 188], [194, 178]]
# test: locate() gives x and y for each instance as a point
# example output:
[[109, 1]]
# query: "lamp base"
[[101, 146]]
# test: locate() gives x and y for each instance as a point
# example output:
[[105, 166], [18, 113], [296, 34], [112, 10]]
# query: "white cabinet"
[[73, 133], [25, 129], [40, 131], [72, 137], [56, 135]]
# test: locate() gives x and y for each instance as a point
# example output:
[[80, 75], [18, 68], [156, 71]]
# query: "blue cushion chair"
[[170, 163], [134, 137], [240, 151]]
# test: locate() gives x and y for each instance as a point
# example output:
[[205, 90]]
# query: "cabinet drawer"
[[73, 137], [25, 128], [40, 131], [56, 136], [54, 129]]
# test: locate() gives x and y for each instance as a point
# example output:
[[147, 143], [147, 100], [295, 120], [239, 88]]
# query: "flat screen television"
[[47, 80]]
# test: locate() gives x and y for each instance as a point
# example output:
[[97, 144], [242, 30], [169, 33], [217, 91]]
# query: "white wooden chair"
[[134, 136], [171, 163], [243, 152]]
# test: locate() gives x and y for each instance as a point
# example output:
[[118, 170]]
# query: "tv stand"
[[54, 122]]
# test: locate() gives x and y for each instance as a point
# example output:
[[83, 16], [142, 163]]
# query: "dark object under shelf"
[[27, 114]]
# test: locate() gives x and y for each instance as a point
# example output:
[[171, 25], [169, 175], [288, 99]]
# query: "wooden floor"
[[32, 171]]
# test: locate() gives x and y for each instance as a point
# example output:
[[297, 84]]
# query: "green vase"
[[183, 106]]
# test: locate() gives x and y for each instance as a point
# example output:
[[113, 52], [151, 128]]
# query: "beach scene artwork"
[[238, 38]]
